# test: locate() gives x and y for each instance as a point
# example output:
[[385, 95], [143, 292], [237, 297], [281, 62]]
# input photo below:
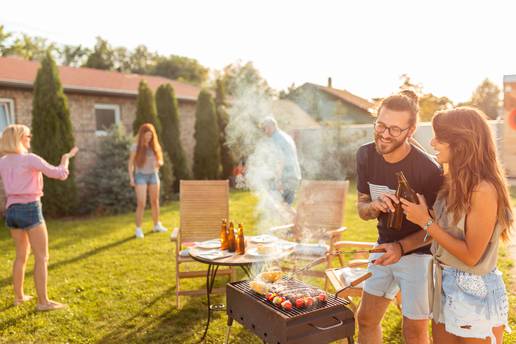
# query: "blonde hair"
[[10, 142]]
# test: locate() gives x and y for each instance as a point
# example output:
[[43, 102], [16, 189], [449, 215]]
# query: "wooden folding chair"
[[202, 206], [319, 216]]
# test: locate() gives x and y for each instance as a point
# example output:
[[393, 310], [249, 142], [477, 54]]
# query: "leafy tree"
[[121, 60], [487, 98], [141, 60], [73, 55], [180, 68], [207, 141], [4, 40], [30, 48], [53, 136], [102, 56], [226, 155], [145, 109], [106, 186], [166, 104], [236, 76], [429, 104]]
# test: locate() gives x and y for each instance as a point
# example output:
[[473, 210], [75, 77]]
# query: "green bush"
[[145, 109], [227, 158], [166, 104], [207, 142], [167, 180], [53, 136], [106, 188]]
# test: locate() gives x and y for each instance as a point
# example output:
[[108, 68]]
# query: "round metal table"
[[244, 262]]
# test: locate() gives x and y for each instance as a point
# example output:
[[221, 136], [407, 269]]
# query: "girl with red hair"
[[144, 162]]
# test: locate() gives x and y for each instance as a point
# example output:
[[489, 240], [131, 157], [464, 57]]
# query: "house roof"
[[347, 97], [18, 72], [291, 117]]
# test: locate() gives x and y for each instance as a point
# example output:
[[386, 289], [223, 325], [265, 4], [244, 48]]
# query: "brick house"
[[330, 105], [96, 99]]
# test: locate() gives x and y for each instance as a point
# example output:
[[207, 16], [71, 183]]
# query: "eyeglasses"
[[394, 131]]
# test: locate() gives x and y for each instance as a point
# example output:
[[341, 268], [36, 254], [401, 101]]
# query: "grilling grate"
[[291, 285]]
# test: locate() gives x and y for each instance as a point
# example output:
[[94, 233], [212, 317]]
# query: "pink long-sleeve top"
[[23, 179]]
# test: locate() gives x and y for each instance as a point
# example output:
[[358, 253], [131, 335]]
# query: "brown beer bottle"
[[240, 241], [231, 238], [395, 219], [224, 235]]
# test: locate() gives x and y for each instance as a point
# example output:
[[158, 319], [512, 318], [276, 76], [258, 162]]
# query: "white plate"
[[263, 239], [253, 252], [208, 245]]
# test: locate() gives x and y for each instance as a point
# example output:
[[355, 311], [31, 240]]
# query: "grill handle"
[[328, 327]]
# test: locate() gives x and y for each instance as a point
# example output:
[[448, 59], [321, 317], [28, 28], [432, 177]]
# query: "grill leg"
[[228, 330]]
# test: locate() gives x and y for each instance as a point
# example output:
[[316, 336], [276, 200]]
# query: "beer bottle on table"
[[240, 241], [224, 235], [231, 238], [395, 218]]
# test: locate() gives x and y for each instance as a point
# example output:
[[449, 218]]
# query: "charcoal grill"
[[323, 323]]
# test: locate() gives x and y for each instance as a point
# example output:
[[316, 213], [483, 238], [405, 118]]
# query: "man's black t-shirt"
[[377, 176]]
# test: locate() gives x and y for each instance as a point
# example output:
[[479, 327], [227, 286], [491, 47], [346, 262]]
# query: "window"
[[106, 115], [6, 113]]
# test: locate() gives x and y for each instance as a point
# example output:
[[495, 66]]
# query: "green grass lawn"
[[121, 290]]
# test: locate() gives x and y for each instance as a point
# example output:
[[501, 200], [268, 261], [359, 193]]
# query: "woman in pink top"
[[21, 174]]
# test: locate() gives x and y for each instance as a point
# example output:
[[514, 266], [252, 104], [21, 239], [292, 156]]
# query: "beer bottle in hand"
[[231, 238], [240, 241], [224, 235], [395, 218]]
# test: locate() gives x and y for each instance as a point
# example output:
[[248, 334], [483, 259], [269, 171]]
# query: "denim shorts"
[[472, 304], [410, 275], [146, 178], [24, 215]]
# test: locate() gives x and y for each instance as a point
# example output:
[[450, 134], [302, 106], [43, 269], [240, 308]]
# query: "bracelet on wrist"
[[401, 248]]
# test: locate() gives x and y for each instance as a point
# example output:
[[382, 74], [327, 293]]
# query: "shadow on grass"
[[7, 281]]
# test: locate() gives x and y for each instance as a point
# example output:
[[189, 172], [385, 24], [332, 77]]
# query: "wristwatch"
[[426, 226]]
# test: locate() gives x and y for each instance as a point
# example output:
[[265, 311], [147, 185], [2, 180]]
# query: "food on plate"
[[265, 249], [270, 276]]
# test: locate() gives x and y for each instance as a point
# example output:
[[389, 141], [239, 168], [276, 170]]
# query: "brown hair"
[[472, 160], [142, 146], [405, 100]]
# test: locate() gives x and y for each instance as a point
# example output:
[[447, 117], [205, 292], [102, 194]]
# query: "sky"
[[449, 47]]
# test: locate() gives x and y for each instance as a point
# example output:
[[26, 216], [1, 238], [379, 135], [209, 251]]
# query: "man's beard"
[[387, 147]]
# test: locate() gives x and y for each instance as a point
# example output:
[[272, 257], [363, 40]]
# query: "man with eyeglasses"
[[397, 269]]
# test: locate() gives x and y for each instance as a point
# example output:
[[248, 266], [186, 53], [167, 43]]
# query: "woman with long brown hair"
[[470, 216], [144, 162]]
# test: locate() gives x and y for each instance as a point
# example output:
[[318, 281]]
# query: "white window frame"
[[11, 117], [114, 107]]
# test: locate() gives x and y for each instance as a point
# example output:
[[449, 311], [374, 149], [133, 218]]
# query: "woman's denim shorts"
[[146, 178], [24, 215], [472, 304]]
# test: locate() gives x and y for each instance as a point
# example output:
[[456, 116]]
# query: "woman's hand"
[[416, 213], [71, 153]]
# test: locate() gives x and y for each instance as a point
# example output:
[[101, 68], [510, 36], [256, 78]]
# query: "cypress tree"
[[226, 155], [145, 109], [207, 144], [53, 136], [166, 104]]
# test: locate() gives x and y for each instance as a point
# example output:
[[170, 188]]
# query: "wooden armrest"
[[335, 281], [337, 231], [175, 234], [353, 244], [279, 228], [357, 263]]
